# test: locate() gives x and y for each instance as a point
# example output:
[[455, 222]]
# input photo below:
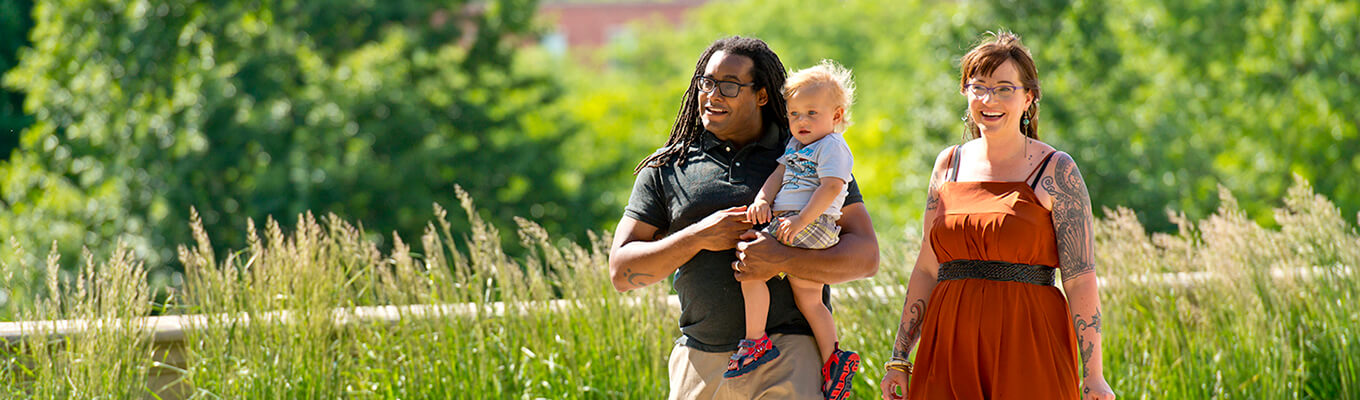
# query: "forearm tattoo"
[[910, 329], [1071, 218], [1086, 347], [636, 279]]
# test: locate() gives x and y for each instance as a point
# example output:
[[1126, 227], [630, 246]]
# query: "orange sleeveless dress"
[[995, 339]]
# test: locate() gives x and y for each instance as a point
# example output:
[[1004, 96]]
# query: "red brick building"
[[590, 25]]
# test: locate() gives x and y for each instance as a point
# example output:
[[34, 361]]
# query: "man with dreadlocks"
[[687, 217]]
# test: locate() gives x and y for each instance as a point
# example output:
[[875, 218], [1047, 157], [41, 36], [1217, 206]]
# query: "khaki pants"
[[795, 374]]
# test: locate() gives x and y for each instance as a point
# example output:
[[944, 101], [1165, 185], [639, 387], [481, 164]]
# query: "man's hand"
[[759, 212], [759, 257], [720, 230]]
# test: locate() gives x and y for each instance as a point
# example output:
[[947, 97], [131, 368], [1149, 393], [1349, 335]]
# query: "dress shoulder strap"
[[1039, 171], [954, 162]]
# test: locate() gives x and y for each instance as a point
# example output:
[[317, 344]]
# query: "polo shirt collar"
[[771, 139]]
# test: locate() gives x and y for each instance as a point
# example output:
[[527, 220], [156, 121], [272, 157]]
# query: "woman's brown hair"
[[984, 59]]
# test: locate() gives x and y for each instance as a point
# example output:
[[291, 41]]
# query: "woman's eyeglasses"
[[1002, 92]]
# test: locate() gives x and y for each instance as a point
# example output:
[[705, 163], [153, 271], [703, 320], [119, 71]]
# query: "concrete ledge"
[[171, 328]]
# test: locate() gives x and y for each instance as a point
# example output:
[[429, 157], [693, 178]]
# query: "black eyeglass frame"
[[722, 86]]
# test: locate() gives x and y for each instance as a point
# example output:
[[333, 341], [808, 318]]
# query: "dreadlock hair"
[[767, 73]]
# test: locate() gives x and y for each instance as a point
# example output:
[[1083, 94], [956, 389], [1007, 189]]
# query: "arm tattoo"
[[933, 194], [1087, 348], [910, 330], [1071, 218], [636, 279]]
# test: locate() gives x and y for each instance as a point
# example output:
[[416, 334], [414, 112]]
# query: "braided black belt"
[[997, 271]]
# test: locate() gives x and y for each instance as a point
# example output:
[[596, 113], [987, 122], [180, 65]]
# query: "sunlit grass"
[[1278, 317]]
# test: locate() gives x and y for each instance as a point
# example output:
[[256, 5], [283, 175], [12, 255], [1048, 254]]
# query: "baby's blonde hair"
[[828, 73]]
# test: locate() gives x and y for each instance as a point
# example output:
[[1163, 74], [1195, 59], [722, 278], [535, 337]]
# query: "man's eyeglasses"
[[727, 88], [1002, 92]]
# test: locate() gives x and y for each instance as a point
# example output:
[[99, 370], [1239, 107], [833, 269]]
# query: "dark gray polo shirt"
[[717, 176]]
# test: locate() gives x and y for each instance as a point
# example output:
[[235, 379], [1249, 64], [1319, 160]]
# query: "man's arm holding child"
[[641, 256], [855, 257]]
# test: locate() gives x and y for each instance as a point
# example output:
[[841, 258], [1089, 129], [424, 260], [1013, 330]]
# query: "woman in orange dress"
[[1004, 213]]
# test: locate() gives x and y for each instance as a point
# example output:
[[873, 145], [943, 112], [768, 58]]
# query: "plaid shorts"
[[820, 234]]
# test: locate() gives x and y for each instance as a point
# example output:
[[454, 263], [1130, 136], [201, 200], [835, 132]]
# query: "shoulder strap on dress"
[[954, 160], [1039, 171]]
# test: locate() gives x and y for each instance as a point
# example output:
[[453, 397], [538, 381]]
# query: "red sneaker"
[[838, 373]]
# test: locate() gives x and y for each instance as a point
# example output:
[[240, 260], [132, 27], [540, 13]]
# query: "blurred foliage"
[[15, 21], [243, 109], [1159, 101], [137, 111]]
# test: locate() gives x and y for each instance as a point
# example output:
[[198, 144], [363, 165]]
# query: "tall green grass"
[[549, 325]]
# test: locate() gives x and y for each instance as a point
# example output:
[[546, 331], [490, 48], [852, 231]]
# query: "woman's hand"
[[1095, 388], [894, 382]]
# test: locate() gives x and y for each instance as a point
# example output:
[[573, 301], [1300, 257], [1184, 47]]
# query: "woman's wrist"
[[898, 364]]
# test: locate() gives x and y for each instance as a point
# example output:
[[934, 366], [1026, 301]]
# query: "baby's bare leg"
[[808, 295], [757, 297]]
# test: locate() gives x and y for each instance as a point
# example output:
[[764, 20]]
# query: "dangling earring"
[[967, 128], [1024, 118]]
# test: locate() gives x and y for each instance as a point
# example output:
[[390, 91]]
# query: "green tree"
[[1163, 101], [15, 20], [242, 109], [1159, 101]]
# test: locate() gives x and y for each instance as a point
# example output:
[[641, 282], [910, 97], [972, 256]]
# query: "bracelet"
[[898, 364]]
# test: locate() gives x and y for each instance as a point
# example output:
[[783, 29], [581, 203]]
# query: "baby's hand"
[[790, 227], [759, 212]]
